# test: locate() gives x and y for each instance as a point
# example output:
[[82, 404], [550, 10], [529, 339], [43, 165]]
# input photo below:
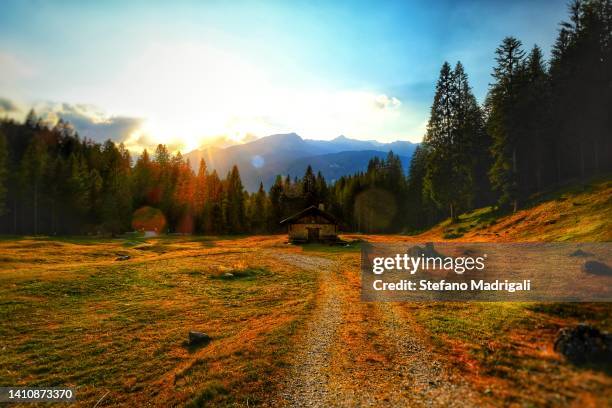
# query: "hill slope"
[[578, 212], [575, 213]]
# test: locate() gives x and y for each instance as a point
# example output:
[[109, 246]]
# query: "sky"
[[191, 73]]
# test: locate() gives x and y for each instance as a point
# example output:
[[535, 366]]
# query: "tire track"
[[306, 386]]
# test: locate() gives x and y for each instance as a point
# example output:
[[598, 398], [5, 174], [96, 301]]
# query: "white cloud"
[[386, 102]]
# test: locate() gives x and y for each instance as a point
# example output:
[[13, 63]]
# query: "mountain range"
[[263, 159]]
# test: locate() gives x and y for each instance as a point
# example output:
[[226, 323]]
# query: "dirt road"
[[354, 353]]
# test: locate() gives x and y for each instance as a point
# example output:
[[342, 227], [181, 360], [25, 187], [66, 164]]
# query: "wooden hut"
[[313, 224]]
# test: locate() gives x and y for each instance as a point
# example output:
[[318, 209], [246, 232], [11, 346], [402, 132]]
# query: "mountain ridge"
[[288, 153]]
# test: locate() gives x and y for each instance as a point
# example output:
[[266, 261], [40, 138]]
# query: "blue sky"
[[185, 73]]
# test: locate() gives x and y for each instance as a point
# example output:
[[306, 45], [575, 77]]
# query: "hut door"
[[313, 234]]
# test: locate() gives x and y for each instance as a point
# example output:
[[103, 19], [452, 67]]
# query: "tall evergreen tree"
[[33, 168], [276, 204], [309, 188], [505, 123], [452, 134], [3, 172], [235, 202]]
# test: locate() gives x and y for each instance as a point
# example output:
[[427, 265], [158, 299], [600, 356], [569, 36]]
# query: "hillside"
[[507, 353], [577, 212]]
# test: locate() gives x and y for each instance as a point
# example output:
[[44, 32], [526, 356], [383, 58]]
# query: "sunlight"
[[191, 94]]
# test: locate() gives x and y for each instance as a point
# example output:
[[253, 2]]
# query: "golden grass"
[[73, 315], [506, 349]]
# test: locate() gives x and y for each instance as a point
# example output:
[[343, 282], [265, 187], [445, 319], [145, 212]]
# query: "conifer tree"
[[276, 209], [235, 202], [3, 172], [33, 168], [448, 178], [504, 122], [309, 188]]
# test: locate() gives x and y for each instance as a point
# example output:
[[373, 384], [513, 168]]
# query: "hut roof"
[[312, 210]]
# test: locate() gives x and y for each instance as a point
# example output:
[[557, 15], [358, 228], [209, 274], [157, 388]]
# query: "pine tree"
[[419, 208], [33, 168], [322, 189], [536, 118], [235, 208], [505, 123], [3, 172], [309, 188], [31, 119], [201, 194], [142, 180], [258, 210], [448, 178]]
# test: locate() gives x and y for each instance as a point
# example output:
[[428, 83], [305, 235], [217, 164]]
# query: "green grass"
[[82, 319]]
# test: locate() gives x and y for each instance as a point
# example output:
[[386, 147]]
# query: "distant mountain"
[[331, 165], [264, 158]]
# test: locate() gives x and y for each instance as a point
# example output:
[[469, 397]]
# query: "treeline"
[[541, 124], [53, 182]]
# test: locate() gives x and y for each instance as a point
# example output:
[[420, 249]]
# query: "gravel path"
[[307, 384], [430, 382], [413, 377]]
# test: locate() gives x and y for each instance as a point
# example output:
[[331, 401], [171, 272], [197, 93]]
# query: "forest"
[[542, 124]]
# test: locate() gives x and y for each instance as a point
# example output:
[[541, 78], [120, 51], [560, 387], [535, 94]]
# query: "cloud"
[[384, 102], [13, 67], [8, 106], [90, 121]]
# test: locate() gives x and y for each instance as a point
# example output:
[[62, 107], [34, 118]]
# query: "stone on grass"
[[228, 275], [584, 344], [122, 258], [597, 268], [580, 253], [196, 338]]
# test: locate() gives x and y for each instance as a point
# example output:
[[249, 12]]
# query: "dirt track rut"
[[328, 369]]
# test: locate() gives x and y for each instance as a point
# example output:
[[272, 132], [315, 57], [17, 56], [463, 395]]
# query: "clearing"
[[287, 324]]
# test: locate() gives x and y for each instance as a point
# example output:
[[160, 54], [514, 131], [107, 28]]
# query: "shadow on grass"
[[192, 348], [340, 247]]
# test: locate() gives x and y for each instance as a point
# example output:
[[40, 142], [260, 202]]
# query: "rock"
[[122, 258], [197, 338], [228, 275], [583, 344], [596, 268], [580, 253], [428, 251]]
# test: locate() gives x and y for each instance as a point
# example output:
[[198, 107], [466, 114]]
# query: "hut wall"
[[300, 231]]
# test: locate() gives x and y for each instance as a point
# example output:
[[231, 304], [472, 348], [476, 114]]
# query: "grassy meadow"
[[73, 314]]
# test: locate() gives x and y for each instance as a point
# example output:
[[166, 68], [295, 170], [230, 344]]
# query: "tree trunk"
[[558, 165], [15, 216], [53, 218], [514, 170], [515, 206], [596, 148], [581, 159], [35, 208]]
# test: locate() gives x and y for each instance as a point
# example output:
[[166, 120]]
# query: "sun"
[[189, 93]]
